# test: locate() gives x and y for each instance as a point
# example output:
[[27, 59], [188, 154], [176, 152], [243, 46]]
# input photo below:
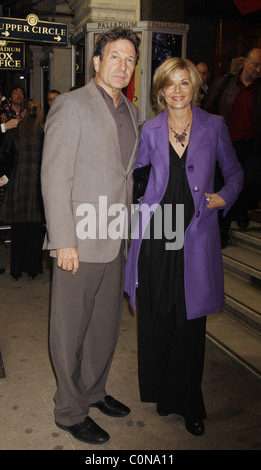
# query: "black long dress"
[[171, 348]]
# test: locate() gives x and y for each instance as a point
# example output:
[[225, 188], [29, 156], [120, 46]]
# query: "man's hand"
[[3, 118], [215, 201], [68, 259], [11, 124]]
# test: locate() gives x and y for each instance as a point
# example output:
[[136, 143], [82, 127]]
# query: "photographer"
[[13, 108], [4, 109]]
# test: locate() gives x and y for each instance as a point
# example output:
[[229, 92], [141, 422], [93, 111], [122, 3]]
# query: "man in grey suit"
[[87, 190]]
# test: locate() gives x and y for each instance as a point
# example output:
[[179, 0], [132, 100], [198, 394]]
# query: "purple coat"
[[209, 142]]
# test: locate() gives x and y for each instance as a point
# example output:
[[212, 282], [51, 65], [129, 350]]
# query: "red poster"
[[248, 6], [131, 88]]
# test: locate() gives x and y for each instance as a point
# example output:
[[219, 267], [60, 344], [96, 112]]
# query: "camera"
[[6, 109]]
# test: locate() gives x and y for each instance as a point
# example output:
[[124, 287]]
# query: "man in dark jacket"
[[238, 99], [203, 71]]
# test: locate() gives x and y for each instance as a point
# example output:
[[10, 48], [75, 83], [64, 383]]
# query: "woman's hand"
[[215, 201], [3, 180]]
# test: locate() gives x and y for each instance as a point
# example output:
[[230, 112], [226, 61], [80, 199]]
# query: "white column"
[[37, 55], [50, 67]]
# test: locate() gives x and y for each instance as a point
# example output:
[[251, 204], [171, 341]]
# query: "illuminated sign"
[[33, 30], [12, 55]]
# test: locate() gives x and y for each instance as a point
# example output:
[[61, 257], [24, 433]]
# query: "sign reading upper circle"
[[33, 30]]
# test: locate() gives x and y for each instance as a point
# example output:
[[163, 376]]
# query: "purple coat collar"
[[198, 133]]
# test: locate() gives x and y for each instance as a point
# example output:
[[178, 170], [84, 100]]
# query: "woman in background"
[[20, 159], [179, 283]]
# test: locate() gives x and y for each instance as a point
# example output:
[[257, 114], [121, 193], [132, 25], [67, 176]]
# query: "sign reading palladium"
[[12, 55], [33, 30]]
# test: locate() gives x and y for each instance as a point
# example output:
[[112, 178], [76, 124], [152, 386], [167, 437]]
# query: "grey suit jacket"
[[83, 176]]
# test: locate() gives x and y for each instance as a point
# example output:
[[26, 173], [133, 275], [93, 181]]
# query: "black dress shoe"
[[111, 407], [195, 427], [2, 270], [87, 431]]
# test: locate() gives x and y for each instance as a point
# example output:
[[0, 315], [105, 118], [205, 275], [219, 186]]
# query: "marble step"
[[243, 263], [236, 331], [239, 343], [249, 239], [243, 302]]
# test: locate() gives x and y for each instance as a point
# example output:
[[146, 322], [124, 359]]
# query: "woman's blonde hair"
[[163, 75], [33, 119]]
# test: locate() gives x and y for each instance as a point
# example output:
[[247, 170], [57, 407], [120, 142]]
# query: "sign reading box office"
[[12, 55], [33, 30]]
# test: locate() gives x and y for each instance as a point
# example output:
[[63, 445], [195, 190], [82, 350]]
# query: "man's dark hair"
[[114, 35], [16, 87], [54, 91]]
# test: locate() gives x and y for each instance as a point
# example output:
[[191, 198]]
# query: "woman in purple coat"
[[175, 257]]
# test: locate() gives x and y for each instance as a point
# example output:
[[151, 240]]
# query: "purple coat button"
[[196, 189], [190, 168]]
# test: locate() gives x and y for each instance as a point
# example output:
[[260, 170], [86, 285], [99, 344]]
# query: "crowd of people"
[[53, 176], [237, 97], [21, 204]]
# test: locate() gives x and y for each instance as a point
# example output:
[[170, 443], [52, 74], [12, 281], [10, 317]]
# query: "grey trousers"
[[84, 328]]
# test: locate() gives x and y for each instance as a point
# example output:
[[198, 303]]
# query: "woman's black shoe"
[[2, 270], [195, 427]]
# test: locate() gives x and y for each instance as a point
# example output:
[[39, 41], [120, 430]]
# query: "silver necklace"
[[180, 137]]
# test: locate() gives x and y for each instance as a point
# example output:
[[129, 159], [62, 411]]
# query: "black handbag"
[[140, 181]]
